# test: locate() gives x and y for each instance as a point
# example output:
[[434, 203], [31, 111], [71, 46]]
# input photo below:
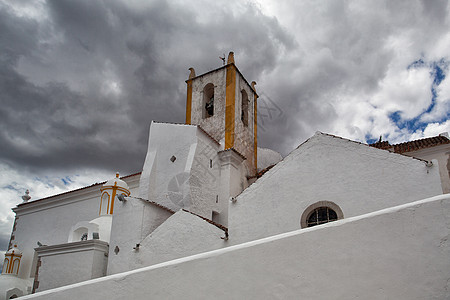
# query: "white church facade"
[[213, 215]]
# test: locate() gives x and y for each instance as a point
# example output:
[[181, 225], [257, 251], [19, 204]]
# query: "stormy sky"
[[80, 81]]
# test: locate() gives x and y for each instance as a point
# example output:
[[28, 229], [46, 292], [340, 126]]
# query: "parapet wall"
[[395, 253]]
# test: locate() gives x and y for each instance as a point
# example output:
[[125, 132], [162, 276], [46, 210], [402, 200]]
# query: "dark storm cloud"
[[80, 85], [4, 241]]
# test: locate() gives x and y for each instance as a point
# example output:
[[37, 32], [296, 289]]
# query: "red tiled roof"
[[412, 145], [421, 144], [381, 145]]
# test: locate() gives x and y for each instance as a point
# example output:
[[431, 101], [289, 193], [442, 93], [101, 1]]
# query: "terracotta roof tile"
[[412, 145], [421, 144], [381, 145]]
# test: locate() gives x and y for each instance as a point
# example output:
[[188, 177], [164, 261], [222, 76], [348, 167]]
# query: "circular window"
[[320, 213]]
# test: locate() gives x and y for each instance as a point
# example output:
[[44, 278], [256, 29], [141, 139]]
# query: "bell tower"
[[224, 104]]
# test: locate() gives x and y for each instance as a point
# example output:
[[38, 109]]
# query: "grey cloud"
[[54, 111]]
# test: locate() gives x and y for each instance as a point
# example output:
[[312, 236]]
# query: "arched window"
[[320, 213], [244, 107], [5, 265], [208, 101], [104, 204]]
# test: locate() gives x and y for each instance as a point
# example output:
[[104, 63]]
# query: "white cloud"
[[406, 91], [14, 184], [442, 105], [432, 129]]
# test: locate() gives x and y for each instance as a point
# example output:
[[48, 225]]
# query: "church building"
[[213, 215]]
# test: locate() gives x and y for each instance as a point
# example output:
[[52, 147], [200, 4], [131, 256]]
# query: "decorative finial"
[[230, 58], [117, 174], [253, 85], [26, 197], [192, 74], [223, 59]]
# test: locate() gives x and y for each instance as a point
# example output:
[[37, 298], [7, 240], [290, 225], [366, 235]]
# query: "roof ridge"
[[225, 229], [76, 190]]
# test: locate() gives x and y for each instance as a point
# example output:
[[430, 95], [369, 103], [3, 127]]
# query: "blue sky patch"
[[438, 69]]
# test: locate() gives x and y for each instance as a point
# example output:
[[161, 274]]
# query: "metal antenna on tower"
[[223, 59]]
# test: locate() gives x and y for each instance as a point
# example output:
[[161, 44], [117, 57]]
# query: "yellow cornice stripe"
[[230, 95], [189, 101]]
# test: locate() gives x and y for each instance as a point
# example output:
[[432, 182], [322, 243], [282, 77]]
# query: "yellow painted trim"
[[230, 95], [18, 267], [11, 262], [125, 191], [6, 265], [255, 131], [112, 199], [189, 102]]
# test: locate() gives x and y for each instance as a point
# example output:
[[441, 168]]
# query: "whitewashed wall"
[[356, 177], [191, 180], [133, 220], [71, 263], [442, 154], [182, 234], [396, 253], [50, 220]]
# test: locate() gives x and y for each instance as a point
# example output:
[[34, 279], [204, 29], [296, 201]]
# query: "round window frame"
[[312, 207]]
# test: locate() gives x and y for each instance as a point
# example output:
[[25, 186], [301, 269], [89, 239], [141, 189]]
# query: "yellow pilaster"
[[111, 208], [255, 133], [230, 95], [189, 101]]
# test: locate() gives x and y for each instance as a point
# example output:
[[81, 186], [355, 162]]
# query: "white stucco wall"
[[71, 262], [11, 285], [204, 181], [442, 154], [182, 234], [133, 220], [396, 253], [50, 220], [191, 180], [356, 177]]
